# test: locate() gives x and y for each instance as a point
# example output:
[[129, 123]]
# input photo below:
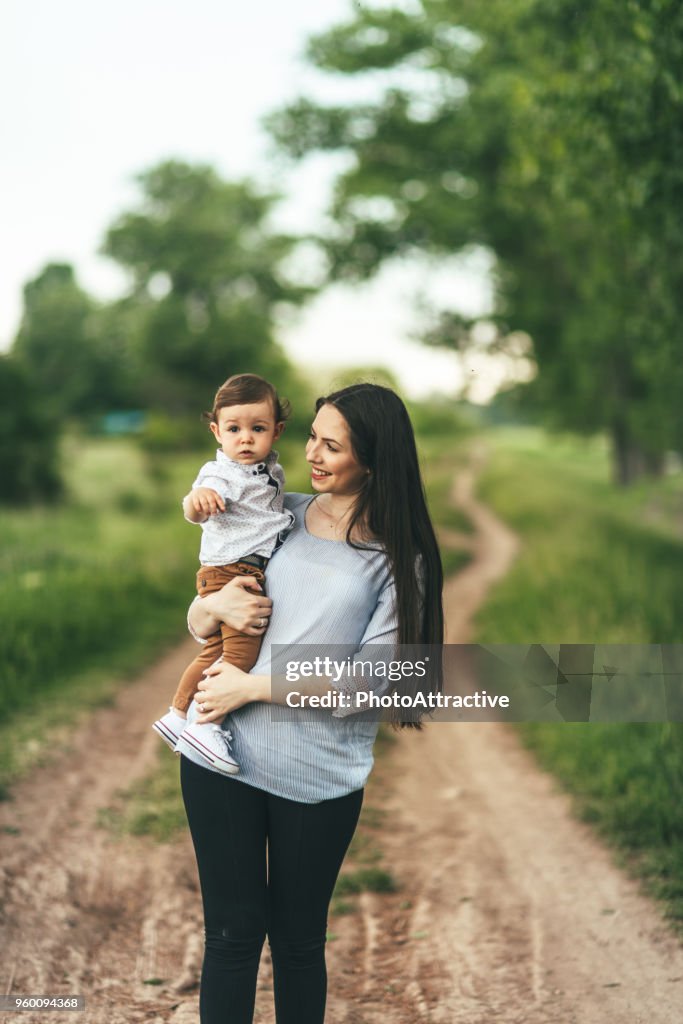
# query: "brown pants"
[[237, 648]]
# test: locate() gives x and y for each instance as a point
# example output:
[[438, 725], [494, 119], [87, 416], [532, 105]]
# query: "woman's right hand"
[[240, 604]]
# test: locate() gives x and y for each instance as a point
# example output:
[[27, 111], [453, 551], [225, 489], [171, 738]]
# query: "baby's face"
[[246, 433]]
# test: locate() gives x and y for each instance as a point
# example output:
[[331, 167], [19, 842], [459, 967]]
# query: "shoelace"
[[225, 734]]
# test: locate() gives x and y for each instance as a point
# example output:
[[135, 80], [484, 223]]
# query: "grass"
[[90, 590], [152, 807], [84, 580], [596, 565], [589, 562], [441, 457], [364, 880], [453, 560]]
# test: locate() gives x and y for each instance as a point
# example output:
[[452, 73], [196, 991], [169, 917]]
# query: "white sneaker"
[[210, 742], [170, 727]]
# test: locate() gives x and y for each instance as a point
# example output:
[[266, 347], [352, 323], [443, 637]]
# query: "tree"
[[551, 133], [76, 351], [206, 278], [53, 344], [29, 469]]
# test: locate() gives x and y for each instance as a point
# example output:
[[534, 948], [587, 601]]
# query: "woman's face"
[[334, 467]]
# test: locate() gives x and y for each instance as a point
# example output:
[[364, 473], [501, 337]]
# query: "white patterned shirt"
[[255, 520]]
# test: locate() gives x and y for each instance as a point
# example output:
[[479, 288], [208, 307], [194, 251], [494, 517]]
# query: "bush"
[[29, 464], [163, 434], [437, 416]]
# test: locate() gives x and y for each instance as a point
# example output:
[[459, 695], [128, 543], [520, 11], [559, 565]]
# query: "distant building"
[[128, 421]]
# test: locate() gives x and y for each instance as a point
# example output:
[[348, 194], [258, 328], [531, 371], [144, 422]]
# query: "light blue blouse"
[[324, 592]]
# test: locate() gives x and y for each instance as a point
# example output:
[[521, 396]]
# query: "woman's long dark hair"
[[392, 505]]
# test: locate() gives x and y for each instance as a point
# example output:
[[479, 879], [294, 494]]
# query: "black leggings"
[[243, 899]]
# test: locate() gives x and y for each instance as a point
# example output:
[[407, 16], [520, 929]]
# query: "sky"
[[92, 94]]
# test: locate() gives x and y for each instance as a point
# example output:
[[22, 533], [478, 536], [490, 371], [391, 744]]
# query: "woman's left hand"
[[223, 689]]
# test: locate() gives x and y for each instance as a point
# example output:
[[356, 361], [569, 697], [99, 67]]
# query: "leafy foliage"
[[207, 278], [29, 462], [552, 134]]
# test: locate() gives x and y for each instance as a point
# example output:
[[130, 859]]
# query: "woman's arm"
[[239, 604]]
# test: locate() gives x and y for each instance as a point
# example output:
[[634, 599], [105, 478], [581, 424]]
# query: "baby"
[[238, 500]]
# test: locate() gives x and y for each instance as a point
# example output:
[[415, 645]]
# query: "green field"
[[596, 565]]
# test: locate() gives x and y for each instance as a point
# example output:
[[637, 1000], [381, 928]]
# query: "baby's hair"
[[247, 389]]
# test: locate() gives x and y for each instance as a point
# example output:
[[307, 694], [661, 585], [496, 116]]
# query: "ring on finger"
[[262, 622]]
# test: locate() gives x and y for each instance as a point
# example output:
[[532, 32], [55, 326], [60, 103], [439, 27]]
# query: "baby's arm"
[[201, 503]]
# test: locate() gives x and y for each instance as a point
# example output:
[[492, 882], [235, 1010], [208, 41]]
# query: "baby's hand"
[[205, 501]]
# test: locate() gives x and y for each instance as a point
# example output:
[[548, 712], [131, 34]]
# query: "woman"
[[361, 567]]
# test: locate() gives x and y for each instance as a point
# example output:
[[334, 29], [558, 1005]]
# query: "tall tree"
[[53, 344], [551, 133], [76, 351], [207, 276]]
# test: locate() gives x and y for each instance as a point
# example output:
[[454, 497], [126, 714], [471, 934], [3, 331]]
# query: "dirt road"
[[508, 911]]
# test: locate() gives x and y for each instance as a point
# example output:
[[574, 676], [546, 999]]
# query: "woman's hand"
[[240, 604], [225, 688]]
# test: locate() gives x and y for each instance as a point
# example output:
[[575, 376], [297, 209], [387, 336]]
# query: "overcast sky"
[[94, 93]]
